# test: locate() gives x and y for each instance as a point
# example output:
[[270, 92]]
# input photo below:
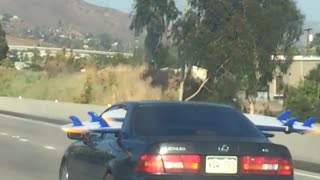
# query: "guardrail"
[[83, 51], [304, 148], [58, 111]]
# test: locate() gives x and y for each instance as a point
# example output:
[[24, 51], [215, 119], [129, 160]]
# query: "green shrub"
[[304, 100]]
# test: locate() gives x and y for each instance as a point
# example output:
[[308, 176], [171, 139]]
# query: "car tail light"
[[150, 164], [266, 165], [156, 164]]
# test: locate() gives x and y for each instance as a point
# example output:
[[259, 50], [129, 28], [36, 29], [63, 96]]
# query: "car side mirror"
[[268, 135], [75, 136], [93, 137], [123, 135]]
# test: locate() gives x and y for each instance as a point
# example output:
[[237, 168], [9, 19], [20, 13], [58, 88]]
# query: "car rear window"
[[192, 120]]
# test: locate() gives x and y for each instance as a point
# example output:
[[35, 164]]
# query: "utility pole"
[[308, 41], [185, 6]]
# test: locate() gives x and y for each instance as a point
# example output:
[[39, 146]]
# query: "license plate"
[[222, 164]]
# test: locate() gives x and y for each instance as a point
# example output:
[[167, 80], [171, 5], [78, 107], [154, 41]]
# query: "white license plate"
[[222, 164]]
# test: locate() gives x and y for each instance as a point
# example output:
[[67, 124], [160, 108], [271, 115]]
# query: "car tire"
[[64, 173], [108, 177]]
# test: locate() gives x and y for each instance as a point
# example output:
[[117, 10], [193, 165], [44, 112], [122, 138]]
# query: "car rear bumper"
[[175, 177]]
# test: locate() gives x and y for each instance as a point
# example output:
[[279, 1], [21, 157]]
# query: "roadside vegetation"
[[304, 100], [94, 86], [89, 80]]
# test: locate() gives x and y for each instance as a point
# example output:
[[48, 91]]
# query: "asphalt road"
[[32, 150]]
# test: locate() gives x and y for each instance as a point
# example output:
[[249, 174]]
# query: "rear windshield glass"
[[192, 120]]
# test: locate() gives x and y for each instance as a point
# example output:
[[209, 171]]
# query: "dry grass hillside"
[[26, 42], [109, 85], [76, 14]]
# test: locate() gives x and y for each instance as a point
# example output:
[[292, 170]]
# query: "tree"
[[314, 74], [304, 99], [155, 17], [275, 26], [7, 17], [239, 37], [104, 41], [236, 37], [3, 44], [60, 24]]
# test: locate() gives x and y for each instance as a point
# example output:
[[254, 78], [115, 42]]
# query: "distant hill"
[[74, 14]]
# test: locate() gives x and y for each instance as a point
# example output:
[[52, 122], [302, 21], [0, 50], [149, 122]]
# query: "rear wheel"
[[108, 177], [64, 173]]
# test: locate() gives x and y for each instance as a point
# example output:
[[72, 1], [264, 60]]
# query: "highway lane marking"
[[24, 140], [306, 175], [27, 140], [49, 147], [16, 137], [4, 134], [32, 121]]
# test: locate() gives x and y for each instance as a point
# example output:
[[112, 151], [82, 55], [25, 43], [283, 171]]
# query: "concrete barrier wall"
[[303, 148], [48, 109]]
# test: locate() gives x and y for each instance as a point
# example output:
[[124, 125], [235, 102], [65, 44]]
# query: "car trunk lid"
[[216, 157]]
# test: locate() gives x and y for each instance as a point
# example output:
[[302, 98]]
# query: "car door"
[[92, 154], [84, 162]]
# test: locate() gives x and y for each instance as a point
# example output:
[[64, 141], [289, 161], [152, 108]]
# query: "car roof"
[[172, 102]]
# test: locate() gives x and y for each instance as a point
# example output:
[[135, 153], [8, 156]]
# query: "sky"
[[311, 9], [308, 7], [122, 5]]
